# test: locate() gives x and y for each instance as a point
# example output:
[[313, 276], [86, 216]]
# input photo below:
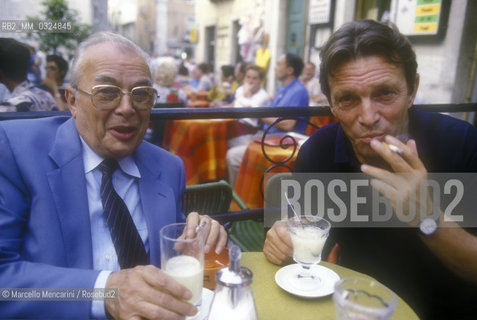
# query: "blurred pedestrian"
[[165, 82], [312, 84], [34, 70], [24, 96], [291, 94], [201, 73], [223, 92], [56, 69]]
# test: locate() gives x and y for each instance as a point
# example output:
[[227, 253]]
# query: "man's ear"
[[71, 100]]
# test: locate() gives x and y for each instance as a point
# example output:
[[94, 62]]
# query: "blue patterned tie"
[[126, 239]]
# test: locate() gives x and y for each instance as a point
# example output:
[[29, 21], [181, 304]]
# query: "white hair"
[[103, 37]]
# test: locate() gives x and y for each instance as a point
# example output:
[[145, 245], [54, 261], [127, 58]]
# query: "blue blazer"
[[45, 232]]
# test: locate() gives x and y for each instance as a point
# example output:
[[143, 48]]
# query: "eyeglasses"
[[107, 97]]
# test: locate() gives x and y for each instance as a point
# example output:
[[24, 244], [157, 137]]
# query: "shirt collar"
[[91, 160]]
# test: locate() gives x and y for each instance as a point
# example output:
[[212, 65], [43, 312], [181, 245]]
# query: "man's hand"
[[403, 187], [454, 246], [215, 234], [278, 247], [147, 292]]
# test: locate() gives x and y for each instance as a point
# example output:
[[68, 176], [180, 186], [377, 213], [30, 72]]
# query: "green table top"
[[274, 303]]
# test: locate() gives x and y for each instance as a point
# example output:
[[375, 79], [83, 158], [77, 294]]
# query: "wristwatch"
[[428, 226]]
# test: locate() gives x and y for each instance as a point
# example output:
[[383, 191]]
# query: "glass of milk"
[[182, 258], [308, 234]]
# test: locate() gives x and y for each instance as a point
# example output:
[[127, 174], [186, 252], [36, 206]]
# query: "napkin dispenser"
[[233, 299]]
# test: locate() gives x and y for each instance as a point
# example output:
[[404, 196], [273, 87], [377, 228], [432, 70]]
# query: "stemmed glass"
[[308, 234]]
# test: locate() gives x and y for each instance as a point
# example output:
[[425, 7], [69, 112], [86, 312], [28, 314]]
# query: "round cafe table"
[[254, 164], [274, 303], [202, 145]]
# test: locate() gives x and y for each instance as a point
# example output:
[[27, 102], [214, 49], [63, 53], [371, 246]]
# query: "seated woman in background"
[[223, 92], [165, 82]]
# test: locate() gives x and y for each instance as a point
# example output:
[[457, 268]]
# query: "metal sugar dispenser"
[[233, 298]]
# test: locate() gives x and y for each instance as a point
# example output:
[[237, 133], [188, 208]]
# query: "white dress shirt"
[[258, 99], [125, 182]]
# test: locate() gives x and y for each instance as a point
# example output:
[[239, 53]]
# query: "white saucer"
[[207, 297], [328, 279]]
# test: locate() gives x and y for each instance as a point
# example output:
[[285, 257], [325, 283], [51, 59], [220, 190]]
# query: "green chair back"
[[215, 198]]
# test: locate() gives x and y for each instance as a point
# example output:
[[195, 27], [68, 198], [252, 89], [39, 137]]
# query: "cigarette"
[[394, 148]]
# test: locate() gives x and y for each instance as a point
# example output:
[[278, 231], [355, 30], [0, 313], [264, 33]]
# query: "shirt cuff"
[[98, 310]]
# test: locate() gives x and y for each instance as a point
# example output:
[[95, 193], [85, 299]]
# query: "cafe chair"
[[210, 198], [215, 198]]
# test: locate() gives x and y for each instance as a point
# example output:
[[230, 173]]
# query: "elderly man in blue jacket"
[[54, 231]]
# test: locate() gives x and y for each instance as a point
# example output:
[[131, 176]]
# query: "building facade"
[[442, 32], [162, 27]]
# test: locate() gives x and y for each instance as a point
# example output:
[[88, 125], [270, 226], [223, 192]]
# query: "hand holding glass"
[[183, 258], [308, 234]]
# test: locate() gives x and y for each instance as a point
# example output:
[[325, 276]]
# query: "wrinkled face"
[[252, 78], [53, 72], [118, 132], [281, 69], [370, 98]]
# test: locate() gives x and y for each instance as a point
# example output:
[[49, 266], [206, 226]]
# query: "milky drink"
[[187, 271], [308, 243]]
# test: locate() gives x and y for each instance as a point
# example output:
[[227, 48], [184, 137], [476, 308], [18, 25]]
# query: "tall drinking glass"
[[308, 234], [183, 258]]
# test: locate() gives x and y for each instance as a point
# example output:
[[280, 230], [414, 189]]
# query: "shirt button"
[[108, 257]]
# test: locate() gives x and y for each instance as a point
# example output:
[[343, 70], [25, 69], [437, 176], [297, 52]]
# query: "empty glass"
[[359, 298]]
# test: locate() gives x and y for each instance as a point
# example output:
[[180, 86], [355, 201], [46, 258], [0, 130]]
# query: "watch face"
[[428, 226]]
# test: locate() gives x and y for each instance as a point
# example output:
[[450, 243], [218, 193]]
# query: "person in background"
[[223, 92], [263, 55], [312, 84], [183, 78], [292, 94], [201, 74], [250, 95], [169, 91], [67, 183], [56, 69], [369, 74], [4, 93], [24, 96], [34, 69], [165, 82]]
